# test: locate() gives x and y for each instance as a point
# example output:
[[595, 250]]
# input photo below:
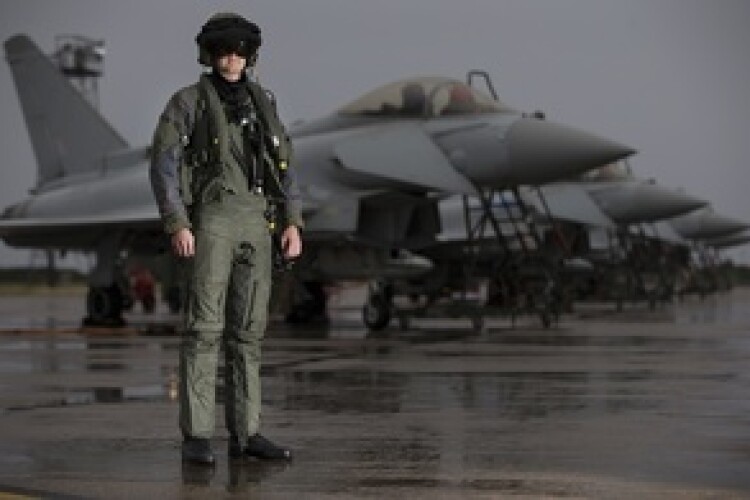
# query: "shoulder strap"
[[201, 134], [271, 123], [207, 140], [210, 134]]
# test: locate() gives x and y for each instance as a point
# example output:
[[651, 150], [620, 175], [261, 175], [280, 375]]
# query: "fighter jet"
[[620, 196], [616, 211], [371, 174], [560, 232], [615, 208], [729, 240], [705, 233], [705, 224]]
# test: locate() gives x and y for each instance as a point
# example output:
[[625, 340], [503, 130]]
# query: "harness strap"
[[210, 144]]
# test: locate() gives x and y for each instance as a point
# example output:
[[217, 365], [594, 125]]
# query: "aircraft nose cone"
[[642, 202], [705, 224], [543, 151], [730, 240]]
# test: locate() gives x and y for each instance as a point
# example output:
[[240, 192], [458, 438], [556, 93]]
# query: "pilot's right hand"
[[183, 243]]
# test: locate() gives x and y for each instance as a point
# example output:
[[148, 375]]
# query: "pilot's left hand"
[[291, 242]]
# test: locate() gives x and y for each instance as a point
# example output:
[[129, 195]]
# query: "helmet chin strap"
[[251, 68]]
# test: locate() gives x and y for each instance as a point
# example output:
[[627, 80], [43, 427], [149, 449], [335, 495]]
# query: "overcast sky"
[[667, 77]]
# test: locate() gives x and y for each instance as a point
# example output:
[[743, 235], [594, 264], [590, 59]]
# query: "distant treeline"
[[740, 275], [40, 276]]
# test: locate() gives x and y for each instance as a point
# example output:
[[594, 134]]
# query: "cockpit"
[[610, 172], [424, 97]]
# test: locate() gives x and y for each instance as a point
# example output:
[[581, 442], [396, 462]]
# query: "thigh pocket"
[[211, 266]]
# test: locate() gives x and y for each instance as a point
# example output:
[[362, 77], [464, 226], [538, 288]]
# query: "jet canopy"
[[424, 97], [617, 171]]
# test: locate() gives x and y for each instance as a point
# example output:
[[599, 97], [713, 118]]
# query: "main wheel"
[[149, 304], [104, 305], [546, 318], [312, 307], [174, 299], [376, 313]]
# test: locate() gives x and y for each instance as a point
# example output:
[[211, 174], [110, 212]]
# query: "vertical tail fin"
[[68, 135]]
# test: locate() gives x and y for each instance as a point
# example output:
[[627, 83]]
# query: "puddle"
[[102, 395]]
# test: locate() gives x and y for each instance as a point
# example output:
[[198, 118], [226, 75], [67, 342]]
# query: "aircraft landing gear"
[[376, 313], [104, 305], [173, 298], [312, 308], [109, 288]]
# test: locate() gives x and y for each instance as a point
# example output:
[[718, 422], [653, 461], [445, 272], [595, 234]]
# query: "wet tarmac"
[[635, 404]]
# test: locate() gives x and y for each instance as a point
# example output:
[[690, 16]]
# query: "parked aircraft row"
[[429, 188]]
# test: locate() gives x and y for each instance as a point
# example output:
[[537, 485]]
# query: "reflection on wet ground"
[[632, 404]]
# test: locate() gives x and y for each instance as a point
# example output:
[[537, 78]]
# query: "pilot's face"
[[230, 66]]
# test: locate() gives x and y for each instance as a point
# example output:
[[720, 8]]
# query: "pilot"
[[221, 177], [461, 100], [414, 99], [413, 102]]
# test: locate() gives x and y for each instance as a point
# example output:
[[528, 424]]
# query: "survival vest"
[[209, 145]]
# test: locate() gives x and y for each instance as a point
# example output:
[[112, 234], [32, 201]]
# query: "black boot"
[[259, 447], [197, 451]]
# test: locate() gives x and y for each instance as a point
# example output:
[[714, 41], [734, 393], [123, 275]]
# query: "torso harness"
[[266, 154]]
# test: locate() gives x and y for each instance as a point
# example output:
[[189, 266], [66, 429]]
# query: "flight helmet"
[[227, 32]]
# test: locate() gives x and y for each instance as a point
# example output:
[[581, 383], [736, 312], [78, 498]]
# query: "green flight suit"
[[228, 292], [229, 278]]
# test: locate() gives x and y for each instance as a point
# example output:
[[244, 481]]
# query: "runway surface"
[[636, 404]]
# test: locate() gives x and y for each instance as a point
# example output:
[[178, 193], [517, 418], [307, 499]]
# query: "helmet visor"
[[225, 46]]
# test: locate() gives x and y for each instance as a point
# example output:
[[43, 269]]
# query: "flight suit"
[[205, 183]]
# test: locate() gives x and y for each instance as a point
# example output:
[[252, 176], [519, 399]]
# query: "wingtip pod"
[[545, 151]]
